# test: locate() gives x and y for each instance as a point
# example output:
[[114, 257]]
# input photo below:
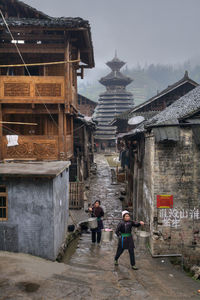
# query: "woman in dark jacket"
[[97, 211], [123, 231]]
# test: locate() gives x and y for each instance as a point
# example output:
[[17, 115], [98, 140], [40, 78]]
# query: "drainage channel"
[[71, 249]]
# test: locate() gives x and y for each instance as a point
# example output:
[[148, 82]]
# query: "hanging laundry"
[[12, 140]]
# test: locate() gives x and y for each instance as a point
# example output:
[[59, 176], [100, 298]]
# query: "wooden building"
[[155, 104], [86, 106], [83, 149], [40, 59]]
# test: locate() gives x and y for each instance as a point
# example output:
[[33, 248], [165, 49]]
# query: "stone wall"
[[173, 169]]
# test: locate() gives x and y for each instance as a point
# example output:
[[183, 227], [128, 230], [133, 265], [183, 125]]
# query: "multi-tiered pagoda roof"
[[115, 100]]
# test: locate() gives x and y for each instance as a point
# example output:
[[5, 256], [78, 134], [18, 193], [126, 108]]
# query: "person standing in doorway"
[[123, 232], [97, 212]]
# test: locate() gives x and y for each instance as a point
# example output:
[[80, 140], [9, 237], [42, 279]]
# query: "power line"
[[24, 63]]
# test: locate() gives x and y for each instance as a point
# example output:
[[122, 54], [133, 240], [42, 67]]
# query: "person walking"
[[97, 212], [123, 231]]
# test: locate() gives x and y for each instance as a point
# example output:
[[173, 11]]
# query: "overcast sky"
[[142, 31]]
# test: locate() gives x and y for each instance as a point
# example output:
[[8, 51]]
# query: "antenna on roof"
[[115, 53]]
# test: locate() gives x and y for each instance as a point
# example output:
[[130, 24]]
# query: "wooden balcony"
[[34, 89], [37, 148]]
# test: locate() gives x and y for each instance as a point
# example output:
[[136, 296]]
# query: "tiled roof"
[[169, 89], [17, 5], [50, 22], [179, 110], [184, 106]]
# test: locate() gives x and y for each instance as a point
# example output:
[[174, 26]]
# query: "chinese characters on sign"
[[172, 217]]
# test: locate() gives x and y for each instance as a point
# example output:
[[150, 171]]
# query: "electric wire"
[[24, 63]]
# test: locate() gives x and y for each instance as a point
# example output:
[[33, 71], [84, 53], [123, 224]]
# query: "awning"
[[167, 133]]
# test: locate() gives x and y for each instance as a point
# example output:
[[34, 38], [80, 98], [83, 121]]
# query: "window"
[[3, 203]]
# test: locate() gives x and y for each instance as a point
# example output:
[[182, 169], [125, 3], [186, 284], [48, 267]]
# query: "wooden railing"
[[37, 147], [76, 195], [25, 89], [32, 147]]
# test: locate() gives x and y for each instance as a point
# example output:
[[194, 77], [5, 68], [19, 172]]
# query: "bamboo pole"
[[18, 123]]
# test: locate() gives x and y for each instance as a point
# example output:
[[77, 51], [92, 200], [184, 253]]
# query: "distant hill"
[[147, 81]]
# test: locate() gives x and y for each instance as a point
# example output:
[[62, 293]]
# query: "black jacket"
[[126, 227], [98, 213]]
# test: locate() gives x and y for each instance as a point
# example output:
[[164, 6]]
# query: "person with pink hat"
[[123, 231]]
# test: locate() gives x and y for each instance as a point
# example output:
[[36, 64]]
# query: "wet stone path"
[[92, 266]]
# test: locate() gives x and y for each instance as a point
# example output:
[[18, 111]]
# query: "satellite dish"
[[88, 119], [136, 120]]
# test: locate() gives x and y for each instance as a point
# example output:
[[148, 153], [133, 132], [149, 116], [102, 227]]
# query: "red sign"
[[164, 201]]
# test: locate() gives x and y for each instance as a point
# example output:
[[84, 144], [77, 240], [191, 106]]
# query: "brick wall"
[[173, 169]]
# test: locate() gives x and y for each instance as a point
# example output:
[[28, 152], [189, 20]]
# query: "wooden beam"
[[61, 133], [18, 123], [25, 29], [66, 67], [72, 133], [36, 101], [13, 111], [65, 133], [34, 37], [1, 134], [32, 48]]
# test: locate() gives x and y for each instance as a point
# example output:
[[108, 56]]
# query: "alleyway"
[[90, 273]]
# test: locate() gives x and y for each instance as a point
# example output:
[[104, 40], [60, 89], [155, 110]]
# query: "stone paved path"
[[90, 273]]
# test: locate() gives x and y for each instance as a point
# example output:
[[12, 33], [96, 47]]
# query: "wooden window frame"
[[4, 194]]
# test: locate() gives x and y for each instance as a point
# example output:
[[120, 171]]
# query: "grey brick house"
[[166, 166]]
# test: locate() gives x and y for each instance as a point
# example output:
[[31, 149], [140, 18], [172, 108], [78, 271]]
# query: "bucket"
[[143, 234], [106, 235], [92, 223], [142, 238]]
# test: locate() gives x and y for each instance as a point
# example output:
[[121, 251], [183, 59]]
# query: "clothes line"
[[41, 64]]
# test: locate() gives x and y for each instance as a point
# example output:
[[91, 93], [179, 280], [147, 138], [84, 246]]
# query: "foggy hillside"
[[148, 80]]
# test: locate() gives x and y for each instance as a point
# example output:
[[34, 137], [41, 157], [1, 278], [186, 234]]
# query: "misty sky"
[[142, 31]]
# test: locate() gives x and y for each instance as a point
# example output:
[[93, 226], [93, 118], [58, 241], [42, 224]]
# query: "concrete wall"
[[173, 169], [30, 213], [61, 208], [37, 215]]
